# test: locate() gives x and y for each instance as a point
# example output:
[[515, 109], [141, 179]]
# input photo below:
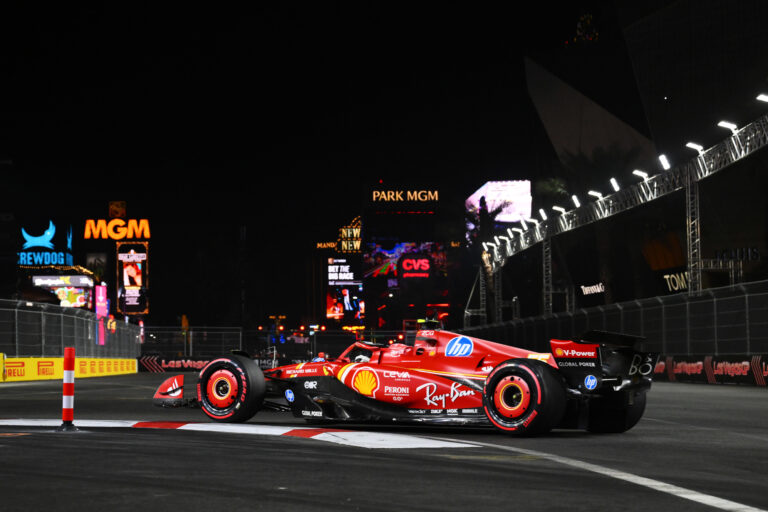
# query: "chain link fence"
[[29, 329], [198, 342], [718, 321]]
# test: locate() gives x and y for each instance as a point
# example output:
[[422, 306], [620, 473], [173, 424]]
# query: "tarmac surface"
[[698, 447]]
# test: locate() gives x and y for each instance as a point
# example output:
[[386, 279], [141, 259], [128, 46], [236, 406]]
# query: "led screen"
[[513, 197]]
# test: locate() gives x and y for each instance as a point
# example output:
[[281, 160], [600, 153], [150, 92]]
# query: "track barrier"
[[68, 392]]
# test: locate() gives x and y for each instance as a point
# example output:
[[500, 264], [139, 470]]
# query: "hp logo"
[[459, 347], [590, 382], [289, 395]]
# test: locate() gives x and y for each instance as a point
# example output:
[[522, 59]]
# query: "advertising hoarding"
[[132, 277]]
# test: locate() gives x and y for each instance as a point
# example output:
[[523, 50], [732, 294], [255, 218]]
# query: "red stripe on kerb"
[[160, 424], [311, 432]]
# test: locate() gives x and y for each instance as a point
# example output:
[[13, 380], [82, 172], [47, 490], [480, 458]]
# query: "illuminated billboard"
[[345, 304], [132, 278], [72, 291], [415, 260], [45, 249], [512, 197]]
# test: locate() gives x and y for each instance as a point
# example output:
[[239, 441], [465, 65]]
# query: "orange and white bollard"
[[68, 392]]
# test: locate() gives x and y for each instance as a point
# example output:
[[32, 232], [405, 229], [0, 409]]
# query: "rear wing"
[[610, 339]]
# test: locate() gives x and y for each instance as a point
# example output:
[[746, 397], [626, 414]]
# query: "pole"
[[68, 392]]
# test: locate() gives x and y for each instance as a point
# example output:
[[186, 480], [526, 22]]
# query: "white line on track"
[[657, 485], [361, 439]]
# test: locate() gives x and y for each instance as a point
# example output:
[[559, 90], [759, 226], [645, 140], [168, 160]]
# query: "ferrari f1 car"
[[597, 382]]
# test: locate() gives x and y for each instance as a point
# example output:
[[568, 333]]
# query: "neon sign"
[[44, 241], [117, 229]]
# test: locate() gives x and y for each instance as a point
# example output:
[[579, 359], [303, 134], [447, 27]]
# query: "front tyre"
[[231, 389], [524, 397]]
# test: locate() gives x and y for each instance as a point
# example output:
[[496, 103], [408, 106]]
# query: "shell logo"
[[559, 352], [365, 382]]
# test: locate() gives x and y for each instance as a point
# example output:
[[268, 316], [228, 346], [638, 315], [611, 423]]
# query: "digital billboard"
[[345, 304], [132, 277], [73, 291], [424, 259], [344, 301], [513, 197]]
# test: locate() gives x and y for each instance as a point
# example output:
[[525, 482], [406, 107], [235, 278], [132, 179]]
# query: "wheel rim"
[[512, 396], [222, 389]]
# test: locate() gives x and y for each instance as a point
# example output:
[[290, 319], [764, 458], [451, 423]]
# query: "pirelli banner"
[[708, 369], [16, 369]]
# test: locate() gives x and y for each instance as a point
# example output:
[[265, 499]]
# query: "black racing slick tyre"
[[616, 413], [524, 397], [231, 389]]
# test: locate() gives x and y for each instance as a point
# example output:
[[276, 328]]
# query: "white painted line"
[[383, 440], [238, 428], [656, 485]]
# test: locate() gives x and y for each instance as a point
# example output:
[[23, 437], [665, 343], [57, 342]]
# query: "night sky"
[[275, 117]]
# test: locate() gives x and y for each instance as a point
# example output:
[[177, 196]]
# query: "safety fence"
[[173, 349], [29, 329], [718, 321]]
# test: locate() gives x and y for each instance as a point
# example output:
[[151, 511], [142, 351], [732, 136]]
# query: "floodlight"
[[543, 214], [664, 162], [559, 209], [730, 126], [575, 201], [615, 184], [596, 194], [697, 147], [641, 174]]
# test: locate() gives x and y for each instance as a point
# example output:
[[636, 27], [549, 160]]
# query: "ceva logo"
[[461, 346]]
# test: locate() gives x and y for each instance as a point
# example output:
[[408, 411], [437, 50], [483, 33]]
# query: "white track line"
[[656, 485]]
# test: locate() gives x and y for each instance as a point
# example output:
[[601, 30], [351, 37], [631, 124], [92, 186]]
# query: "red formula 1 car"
[[597, 382]]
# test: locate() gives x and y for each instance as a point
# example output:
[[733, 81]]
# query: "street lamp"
[[697, 147], [730, 126]]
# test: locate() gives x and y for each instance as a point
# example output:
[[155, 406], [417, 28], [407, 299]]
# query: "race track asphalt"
[[698, 447]]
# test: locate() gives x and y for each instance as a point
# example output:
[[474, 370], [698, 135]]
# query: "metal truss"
[[743, 143]]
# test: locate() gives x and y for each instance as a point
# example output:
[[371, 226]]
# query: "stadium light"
[[664, 162], [534, 221], [730, 126], [543, 214], [559, 209], [485, 247], [763, 97], [575, 201], [615, 184], [697, 147], [596, 194], [517, 230], [641, 174]]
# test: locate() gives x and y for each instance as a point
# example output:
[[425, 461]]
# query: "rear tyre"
[[524, 397], [614, 414], [231, 389]]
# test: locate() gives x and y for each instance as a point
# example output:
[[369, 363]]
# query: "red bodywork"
[[441, 371]]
